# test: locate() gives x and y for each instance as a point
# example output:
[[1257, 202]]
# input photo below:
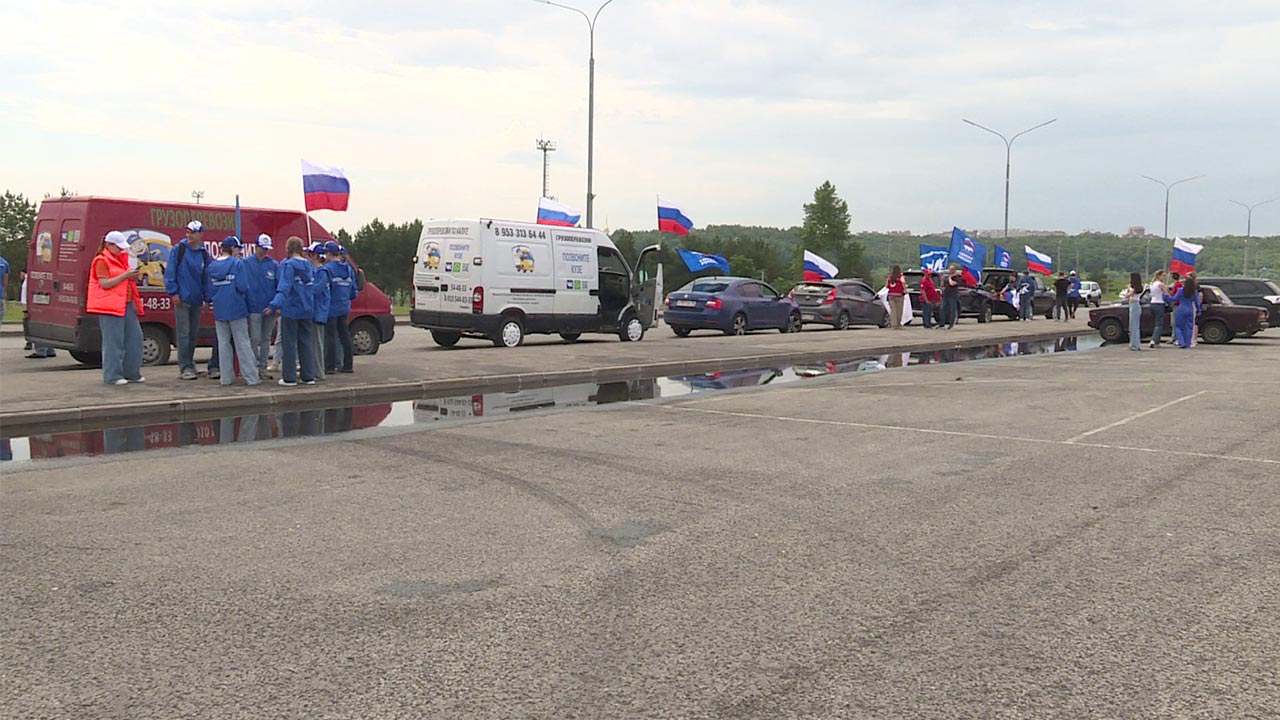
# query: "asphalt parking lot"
[[1089, 535]]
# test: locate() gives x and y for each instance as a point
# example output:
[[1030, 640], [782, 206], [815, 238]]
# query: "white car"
[[1091, 292]]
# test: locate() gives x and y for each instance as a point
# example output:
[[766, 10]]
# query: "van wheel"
[[632, 329], [92, 359], [1215, 333], [446, 338], [155, 345], [570, 337], [511, 334], [365, 339], [681, 331]]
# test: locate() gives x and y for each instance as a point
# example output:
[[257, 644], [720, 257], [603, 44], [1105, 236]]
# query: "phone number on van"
[[520, 233]]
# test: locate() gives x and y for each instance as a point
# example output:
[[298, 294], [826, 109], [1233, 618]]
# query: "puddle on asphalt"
[[447, 411]]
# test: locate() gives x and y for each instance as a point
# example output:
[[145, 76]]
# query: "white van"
[[503, 280]]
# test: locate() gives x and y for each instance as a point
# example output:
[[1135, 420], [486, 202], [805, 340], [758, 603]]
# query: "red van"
[[69, 232]]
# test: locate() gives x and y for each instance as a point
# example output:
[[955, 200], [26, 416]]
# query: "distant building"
[[1138, 231]]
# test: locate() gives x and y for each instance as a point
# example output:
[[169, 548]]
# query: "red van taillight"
[[477, 301], [714, 303], [831, 297]]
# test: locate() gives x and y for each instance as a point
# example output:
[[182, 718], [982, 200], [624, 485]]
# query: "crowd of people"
[[304, 301], [940, 296], [1186, 298]]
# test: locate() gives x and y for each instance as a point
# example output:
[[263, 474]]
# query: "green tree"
[[17, 220], [826, 232], [385, 252]]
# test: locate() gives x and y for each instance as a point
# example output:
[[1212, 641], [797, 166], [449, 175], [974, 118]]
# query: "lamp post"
[[591, 92], [1249, 227], [1168, 188], [546, 146], [197, 194], [1008, 155]]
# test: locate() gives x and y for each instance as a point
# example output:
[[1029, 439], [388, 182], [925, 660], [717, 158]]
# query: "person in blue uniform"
[[294, 303], [1184, 318], [342, 290]]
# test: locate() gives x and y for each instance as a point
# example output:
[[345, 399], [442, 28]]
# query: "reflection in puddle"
[[435, 412]]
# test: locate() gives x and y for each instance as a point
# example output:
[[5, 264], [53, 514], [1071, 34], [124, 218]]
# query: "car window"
[[767, 292], [749, 290], [1272, 287], [612, 262], [812, 288], [706, 286]]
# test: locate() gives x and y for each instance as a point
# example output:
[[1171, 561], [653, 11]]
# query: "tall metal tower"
[[197, 194], [546, 146]]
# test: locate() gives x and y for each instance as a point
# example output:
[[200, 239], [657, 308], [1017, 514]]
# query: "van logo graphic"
[[44, 246], [523, 258], [431, 251]]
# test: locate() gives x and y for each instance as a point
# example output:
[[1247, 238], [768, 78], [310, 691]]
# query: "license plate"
[[39, 299], [809, 316], [686, 303]]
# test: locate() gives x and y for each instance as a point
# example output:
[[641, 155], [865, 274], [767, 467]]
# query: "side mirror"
[[360, 281]]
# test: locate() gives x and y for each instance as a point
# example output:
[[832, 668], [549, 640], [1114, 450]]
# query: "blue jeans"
[[337, 349], [186, 325], [1026, 306], [1135, 326], [926, 314], [260, 329], [1157, 322], [233, 342], [121, 346], [295, 337], [950, 311]]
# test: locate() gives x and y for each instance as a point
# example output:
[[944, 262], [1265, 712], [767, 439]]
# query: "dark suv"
[[1250, 291], [839, 303], [994, 281], [975, 302]]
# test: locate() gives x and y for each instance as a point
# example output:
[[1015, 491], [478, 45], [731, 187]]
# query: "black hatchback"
[[839, 303]]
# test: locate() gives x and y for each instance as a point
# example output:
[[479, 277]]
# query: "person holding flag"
[[1026, 296]]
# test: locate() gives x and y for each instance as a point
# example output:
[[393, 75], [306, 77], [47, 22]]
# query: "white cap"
[[119, 239], [195, 226], [264, 241]]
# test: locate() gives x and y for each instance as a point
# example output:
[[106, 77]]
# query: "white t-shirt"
[[1157, 292]]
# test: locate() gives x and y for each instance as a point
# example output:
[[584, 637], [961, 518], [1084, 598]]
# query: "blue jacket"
[[320, 294], [262, 281], [187, 282], [293, 290], [342, 287], [1074, 290], [1027, 285], [227, 287]]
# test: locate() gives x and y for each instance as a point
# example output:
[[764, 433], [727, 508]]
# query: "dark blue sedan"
[[734, 306]]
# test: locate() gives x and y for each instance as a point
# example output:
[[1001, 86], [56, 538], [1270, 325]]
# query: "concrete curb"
[[97, 417]]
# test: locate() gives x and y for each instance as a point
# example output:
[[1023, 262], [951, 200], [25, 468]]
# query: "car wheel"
[[365, 339], [681, 331], [1111, 330], [1215, 332], [738, 325], [570, 337], [794, 325], [92, 359], [446, 338], [632, 329], [155, 345], [884, 321], [842, 321], [511, 333], [984, 315]]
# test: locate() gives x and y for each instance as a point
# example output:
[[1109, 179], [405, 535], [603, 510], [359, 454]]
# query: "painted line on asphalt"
[[957, 433], [1135, 416]]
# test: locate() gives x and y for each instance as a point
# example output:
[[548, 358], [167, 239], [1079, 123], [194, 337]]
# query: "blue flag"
[[968, 253], [933, 257], [697, 262], [1003, 258]]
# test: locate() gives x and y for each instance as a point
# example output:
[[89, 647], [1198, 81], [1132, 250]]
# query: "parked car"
[[975, 302], [839, 303], [994, 281], [732, 305], [1221, 322], [1258, 292], [1090, 293]]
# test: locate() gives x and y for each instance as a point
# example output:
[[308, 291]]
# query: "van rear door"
[[57, 270], [444, 268]]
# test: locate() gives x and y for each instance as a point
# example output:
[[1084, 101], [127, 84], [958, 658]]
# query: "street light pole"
[[1008, 160], [1249, 227], [545, 146], [1168, 188], [197, 194], [591, 93]]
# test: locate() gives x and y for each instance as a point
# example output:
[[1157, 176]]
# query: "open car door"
[[649, 291]]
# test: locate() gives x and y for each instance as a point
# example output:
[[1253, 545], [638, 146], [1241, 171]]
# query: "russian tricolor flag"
[[324, 187], [818, 268], [1184, 256], [1038, 262], [672, 220], [551, 212]]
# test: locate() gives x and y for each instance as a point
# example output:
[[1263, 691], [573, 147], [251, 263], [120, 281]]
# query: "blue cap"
[[231, 241], [316, 248], [332, 248], [342, 249]]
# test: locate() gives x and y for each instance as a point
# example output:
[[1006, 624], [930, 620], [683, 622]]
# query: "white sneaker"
[[121, 381], [286, 383], [140, 379], [309, 382]]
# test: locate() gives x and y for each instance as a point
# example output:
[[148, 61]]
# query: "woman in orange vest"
[[114, 298]]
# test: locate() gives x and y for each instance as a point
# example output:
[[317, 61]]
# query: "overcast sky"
[[735, 108]]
